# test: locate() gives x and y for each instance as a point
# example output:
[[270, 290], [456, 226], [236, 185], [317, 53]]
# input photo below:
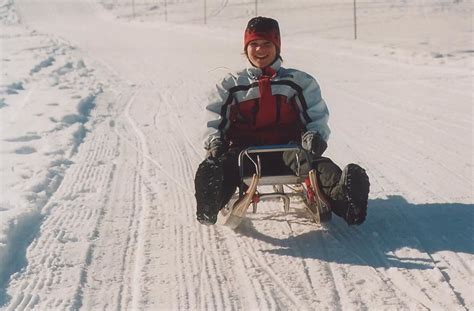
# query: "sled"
[[285, 187]]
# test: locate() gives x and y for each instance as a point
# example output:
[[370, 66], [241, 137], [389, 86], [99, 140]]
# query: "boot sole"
[[357, 193], [207, 208]]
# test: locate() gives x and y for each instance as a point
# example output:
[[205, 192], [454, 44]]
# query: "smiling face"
[[261, 53]]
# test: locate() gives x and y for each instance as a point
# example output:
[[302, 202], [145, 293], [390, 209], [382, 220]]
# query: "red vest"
[[278, 123]]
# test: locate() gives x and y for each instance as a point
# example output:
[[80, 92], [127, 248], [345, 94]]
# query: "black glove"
[[314, 143], [216, 148]]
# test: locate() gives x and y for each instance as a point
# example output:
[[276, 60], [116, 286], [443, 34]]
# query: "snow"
[[102, 115]]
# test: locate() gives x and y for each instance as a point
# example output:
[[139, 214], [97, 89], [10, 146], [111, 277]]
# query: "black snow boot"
[[208, 184], [356, 186]]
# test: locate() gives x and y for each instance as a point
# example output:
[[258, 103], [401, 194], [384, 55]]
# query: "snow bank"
[[47, 95], [8, 14]]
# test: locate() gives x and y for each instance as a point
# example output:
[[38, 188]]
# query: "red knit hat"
[[262, 28]]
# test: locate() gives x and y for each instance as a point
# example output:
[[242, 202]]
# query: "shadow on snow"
[[392, 224], [25, 229]]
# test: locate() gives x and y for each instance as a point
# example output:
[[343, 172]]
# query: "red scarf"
[[267, 108]]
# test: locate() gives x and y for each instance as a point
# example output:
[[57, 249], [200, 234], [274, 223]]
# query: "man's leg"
[[346, 190], [208, 185], [356, 186], [215, 183]]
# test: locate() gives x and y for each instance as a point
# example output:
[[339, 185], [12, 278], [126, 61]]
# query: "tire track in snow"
[[131, 206], [211, 279], [340, 283], [139, 238], [53, 257], [406, 285], [420, 152], [277, 282], [213, 256], [307, 266], [207, 238], [404, 281], [84, 178], [248, 292], [145, 153], [265, 291], [394, 295], [183, 240], [284, 270], [416, 153], [335, 289], [405, 133], [141, 218], [442, 278], [166, 99], [183, 279]]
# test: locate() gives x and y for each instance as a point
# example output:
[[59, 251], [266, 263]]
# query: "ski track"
[[69, 221], [416, 153]]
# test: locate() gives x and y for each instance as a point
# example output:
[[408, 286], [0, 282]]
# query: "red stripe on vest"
[[267, 108]]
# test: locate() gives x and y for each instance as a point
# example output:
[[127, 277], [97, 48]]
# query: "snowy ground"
[[101, 121]]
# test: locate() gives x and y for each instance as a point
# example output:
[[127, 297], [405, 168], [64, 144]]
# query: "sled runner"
[[285, 187]]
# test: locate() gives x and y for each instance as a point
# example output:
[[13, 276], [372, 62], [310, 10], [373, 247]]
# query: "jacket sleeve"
[[317, 113], [217, 111]]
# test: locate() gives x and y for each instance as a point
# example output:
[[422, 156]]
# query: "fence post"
[[166, 10], [133, 9], [355, 20]]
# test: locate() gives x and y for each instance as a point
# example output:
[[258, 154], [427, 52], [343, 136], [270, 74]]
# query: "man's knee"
[[328, 171]]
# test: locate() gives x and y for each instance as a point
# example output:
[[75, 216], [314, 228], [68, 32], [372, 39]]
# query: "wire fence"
[[319, 15]]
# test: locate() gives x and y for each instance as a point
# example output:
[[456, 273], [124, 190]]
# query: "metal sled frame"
[[278, 182], [248, 194]]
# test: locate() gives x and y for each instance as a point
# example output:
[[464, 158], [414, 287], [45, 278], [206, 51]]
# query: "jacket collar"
[[255, 72]]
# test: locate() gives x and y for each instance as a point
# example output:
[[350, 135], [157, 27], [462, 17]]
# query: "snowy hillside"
[[102, 115]]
